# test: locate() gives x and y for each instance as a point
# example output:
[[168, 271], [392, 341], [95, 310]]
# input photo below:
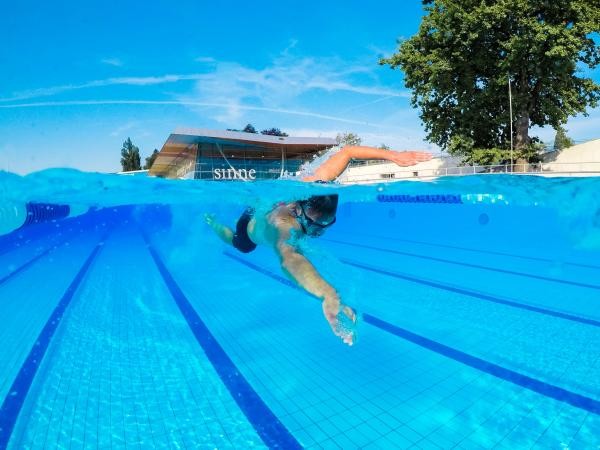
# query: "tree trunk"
[[521, 140]]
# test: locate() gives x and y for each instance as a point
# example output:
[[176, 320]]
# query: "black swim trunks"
[[241, 240]]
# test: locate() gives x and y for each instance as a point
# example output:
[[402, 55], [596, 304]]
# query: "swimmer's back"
[[265, 229]]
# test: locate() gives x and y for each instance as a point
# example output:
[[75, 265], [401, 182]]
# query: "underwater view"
[[128, 323]]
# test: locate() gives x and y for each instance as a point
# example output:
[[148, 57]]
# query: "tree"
[[130, 156], [459, 63], [343, 139], [274, 132], [249, 129], [150, 160], [561, 139], [384, 146]]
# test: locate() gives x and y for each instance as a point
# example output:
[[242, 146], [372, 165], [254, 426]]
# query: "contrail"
[[186, 103]]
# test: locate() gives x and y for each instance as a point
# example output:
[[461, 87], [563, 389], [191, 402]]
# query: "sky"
[[78, 78]]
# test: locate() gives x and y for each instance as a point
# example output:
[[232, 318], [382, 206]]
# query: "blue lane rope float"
[[450, 199], [407, 198], [45, 212]]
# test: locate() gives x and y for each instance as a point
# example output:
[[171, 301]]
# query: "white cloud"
[[280, 85], [123, 128], [580, 128], [225, 106], [232, 88], [294, 86], [112, 62], [132, 81], [205, 59]]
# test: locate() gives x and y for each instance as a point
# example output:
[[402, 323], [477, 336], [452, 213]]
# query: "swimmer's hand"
[[408, 158], [209, 218], [341, 318]]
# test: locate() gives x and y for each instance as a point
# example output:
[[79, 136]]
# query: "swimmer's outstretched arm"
[[335, 165], [301, 270]]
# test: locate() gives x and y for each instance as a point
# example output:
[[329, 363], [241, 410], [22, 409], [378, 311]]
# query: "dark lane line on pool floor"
[[473, 293], [270, 429], [475, 250], [532, 384], [464, 264], [33, 260], [24, 236], [15, 398]]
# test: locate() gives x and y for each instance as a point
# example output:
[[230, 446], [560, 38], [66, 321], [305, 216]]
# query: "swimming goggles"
[[311, 226]]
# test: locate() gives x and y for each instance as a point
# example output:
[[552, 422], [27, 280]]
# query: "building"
[[231, 155], [579, 160], [370, 172]]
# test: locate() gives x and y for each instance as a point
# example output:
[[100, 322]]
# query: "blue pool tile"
[[393, 440], [291, 375], [305, 439], [330, 444], [341, 422], [362, 434], [409, 433], [343, 441], [390, 421], [316, 433]]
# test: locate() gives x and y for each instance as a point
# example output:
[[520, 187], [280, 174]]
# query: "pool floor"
[[113, 338]]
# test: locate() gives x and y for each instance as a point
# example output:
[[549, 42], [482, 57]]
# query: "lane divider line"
[[476, 250], [24, 266], [480, 295], [464, 264], [15, 398], [473, 293], [27, 264], [541, 387], [532, 384], [270, 429]]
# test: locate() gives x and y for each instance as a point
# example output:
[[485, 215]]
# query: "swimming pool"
[[127, 323]]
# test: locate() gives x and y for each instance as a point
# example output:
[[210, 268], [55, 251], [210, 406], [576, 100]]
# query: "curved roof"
[[179, 151]]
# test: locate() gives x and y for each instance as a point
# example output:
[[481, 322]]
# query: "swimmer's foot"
[[342, 320]]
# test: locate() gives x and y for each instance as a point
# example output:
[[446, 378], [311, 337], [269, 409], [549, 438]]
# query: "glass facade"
[[206, 154], [224, 161]]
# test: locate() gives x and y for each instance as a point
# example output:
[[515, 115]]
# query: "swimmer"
[[282, 226]]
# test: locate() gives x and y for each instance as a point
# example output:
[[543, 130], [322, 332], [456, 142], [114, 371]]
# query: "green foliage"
[[130, 156], [458, 64], [150, 159], [343, 139], [561, 140], [249, 129], [493, 156], [274, 132], [384, 147]]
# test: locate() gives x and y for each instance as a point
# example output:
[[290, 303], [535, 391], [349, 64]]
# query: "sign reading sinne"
[[234, 174]]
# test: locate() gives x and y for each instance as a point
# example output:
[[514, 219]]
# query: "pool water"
[[126, 323]]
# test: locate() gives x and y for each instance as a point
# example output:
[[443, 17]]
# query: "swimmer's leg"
[[224, 232]]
